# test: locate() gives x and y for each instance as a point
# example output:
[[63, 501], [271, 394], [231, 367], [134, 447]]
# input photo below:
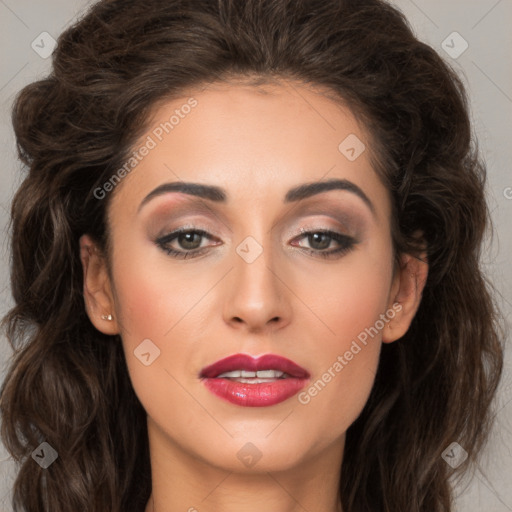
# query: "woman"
[[246, 265]]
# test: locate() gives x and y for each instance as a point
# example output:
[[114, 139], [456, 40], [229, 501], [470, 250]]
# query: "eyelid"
[[335, 225], [172, 212], [187, 226], [353, 217]]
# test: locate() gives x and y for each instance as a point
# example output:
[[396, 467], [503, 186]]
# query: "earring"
[[107, 317]]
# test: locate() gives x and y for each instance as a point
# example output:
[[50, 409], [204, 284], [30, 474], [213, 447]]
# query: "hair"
[[68, 384]]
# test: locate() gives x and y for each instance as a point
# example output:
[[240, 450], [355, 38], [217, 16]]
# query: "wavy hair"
[[68, 384]]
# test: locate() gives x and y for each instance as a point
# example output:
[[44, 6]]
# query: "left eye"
[[320, 240]]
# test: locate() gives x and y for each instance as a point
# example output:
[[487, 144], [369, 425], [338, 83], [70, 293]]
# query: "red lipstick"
[[243, 380]]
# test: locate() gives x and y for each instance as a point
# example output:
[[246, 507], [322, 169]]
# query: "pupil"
[[186, 240], [316, 236]]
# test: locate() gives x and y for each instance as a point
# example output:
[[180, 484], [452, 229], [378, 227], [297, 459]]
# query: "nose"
[[257, 297]]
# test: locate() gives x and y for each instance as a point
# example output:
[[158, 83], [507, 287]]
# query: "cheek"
[[156, 302], [149, 300], [351, 306], [349, 297], [151, 308]]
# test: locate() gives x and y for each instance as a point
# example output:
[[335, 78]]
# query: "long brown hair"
[[68, 384]]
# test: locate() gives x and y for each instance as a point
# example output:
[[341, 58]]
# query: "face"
[[259, 269]]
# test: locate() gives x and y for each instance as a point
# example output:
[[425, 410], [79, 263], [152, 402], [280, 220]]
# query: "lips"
[[243, 380], [248, 363]]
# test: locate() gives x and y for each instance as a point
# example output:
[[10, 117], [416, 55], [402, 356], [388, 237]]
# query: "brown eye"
[[188, 242], [321, 239]]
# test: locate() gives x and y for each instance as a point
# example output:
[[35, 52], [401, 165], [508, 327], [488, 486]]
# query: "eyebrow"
[[219, 195]]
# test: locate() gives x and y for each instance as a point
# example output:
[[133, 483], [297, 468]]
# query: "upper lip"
[[249, 363]]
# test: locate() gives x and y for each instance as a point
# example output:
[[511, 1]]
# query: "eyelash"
[[347, 243]]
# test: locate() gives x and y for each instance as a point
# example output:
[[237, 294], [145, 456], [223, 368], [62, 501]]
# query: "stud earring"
[[107, 317]]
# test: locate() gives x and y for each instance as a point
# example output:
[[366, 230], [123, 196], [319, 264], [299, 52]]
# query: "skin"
[[256, 143]]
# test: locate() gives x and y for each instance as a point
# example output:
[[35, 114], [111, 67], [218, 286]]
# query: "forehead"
[[252, 141]]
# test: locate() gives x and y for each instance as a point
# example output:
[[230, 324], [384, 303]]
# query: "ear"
[[405, 295], [98, 296]]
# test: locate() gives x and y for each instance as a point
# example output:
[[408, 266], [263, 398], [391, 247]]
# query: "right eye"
[[189, 240]]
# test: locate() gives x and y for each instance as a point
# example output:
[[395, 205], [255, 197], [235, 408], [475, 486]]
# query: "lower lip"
[[255, 395]]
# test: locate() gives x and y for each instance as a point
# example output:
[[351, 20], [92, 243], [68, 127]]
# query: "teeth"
[[268, 374], [255, 381], [230, 375], [260, 374]]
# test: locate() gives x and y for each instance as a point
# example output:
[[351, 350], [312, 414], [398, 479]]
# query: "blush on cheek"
[[140, 312], [354, 314]]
